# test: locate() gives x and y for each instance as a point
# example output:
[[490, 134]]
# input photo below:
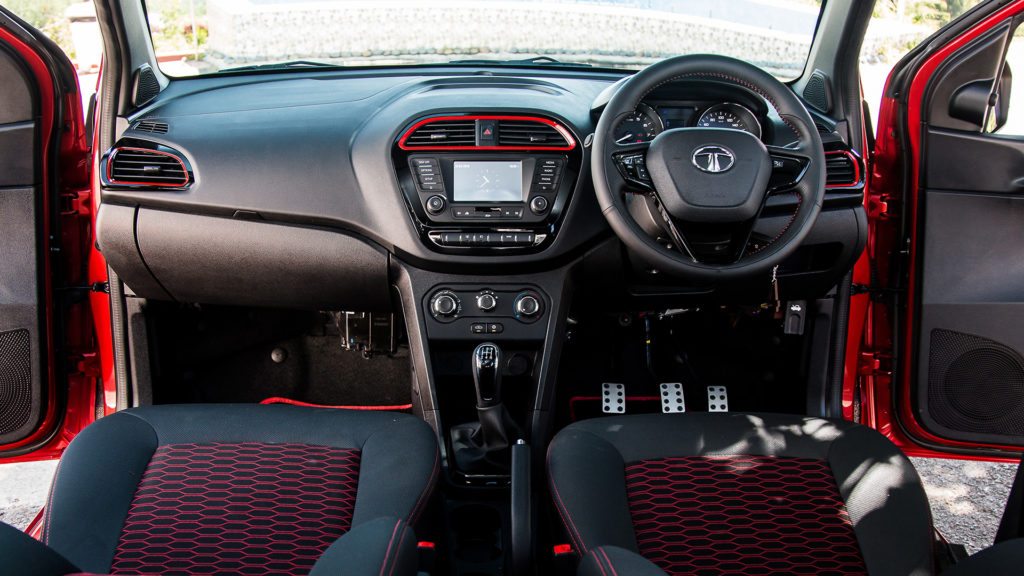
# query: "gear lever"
[[487, 375], [482, 447]]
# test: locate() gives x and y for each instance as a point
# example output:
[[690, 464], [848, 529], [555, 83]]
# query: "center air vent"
[[151, 126], [529, 134], [460, 132], [139, 166], [841, 170], [486, 132]]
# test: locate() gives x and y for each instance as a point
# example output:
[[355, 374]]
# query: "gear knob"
[[487, 374]]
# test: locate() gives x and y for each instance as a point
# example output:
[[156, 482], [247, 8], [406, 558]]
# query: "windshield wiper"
[[535, 61], [280, 66]]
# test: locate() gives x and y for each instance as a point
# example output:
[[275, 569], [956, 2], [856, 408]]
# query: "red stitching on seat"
[[563, 513], [397, 548], [387, 552], [609, 561]]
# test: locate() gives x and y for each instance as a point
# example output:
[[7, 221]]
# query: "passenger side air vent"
[[842, 169], [459, 132], [151, 126], [139, 166], [529, 134]]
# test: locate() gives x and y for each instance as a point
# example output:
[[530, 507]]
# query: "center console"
[[487, 183]]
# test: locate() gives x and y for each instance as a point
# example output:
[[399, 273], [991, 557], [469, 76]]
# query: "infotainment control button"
[[428, 174]]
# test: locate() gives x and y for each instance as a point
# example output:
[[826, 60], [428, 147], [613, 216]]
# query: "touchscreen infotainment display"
[[488, 182]]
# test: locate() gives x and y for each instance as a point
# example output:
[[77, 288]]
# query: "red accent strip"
[[561, 130], [428, 545], [278, 400], [110, 163], [856, 168]]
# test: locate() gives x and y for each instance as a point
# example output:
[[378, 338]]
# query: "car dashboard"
[[229, 188]]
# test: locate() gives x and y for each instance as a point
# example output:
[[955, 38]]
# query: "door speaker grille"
[[15, 381], [975, 385]]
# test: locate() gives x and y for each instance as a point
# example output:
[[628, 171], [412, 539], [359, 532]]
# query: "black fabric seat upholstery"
[[242, 489], [727, 493]]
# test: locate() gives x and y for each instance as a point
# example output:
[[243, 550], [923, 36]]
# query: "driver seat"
[[729, 493]]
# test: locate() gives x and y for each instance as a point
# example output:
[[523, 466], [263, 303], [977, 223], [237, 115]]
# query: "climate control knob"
[[486, 301], [528, 306], [445, 304]]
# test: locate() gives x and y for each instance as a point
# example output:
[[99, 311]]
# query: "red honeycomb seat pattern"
[[707, 515], [238, 508]]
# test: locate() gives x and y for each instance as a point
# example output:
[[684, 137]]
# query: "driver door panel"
[[969, 369]]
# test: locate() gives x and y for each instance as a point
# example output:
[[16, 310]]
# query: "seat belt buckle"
[[428, 557], [566, 559]]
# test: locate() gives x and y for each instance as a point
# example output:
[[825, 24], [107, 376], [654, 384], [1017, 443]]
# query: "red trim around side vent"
[[113, 154], [558, 127], [856, 169]]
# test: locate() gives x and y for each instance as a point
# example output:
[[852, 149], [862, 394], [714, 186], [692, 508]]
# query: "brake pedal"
[[613, 398], [672, 397], [718, 399]]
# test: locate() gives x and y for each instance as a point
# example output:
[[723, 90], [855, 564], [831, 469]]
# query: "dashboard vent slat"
[[151, 126], [841, 170], [443, 133], [146, 167], [529, 133]]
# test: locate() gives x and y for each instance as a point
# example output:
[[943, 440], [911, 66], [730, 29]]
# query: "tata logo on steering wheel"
[[713, 159]]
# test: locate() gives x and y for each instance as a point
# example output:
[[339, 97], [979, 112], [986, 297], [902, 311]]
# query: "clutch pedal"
[[718, 399], [672, 397], [613, 398]]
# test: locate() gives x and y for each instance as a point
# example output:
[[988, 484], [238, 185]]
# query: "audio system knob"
[[435, 204], [528, 306], [486, 301], [538, 204], [445, 304]]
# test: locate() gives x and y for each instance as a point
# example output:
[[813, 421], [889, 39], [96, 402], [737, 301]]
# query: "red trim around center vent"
[[856, 168], [558, 127]]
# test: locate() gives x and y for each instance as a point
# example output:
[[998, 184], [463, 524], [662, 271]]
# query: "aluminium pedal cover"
[[718, 399], [613, 398], [672, 397]]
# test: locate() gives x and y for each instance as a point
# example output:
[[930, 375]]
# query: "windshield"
[[629, 34]]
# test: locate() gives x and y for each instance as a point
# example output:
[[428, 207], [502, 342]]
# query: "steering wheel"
[[706, 187]]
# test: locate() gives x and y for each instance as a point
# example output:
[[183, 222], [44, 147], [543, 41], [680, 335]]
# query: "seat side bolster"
[[26, 556], [1003, 558], [93, 490], [615, 561], [382, 546], [398, 469], [586, 475], [885, 501]]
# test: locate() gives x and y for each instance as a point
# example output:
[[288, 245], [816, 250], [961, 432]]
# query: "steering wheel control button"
[[486, 301], [538, 204], [633, 167], [528, 306], [436, 204], [446, 305], [786, 172]]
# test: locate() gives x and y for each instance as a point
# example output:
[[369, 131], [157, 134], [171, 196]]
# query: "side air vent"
[[529, 134], [151, 126], [443, 133], [139, 166], [841, 169]]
